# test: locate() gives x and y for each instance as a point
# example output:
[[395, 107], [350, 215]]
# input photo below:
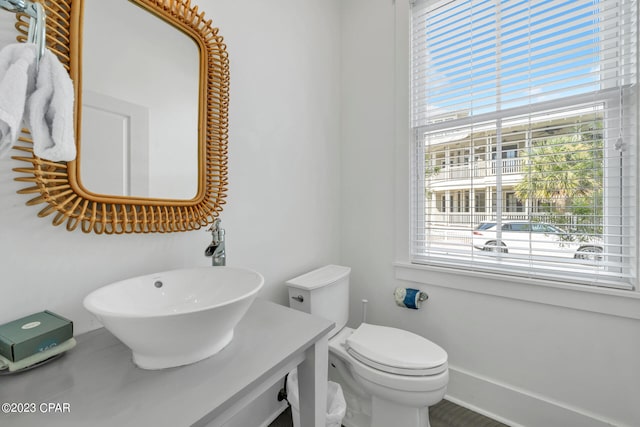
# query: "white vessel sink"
[[176, 317]]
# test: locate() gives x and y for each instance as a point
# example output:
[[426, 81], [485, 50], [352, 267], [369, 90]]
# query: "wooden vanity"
[[97, 384]]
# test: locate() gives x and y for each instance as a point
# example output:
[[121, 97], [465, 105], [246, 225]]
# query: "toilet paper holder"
[[422, 296], [409, 297]]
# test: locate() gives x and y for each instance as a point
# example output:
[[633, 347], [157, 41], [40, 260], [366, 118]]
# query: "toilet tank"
[[323, 292]]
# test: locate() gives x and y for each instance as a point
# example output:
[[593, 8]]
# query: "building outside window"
[[524, 124]]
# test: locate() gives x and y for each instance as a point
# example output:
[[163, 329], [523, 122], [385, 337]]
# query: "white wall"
[[525, 353], [283, 206], [282, 213]]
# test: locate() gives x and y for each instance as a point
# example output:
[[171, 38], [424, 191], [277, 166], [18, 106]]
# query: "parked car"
[[535, 238]]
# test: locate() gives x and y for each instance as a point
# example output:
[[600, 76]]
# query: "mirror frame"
[[58, 183]]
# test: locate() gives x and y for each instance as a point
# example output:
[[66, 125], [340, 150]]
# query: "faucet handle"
[[217, 233], [208, 252], [215, 226]]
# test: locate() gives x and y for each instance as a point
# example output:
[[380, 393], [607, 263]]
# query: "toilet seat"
[[396, 351]]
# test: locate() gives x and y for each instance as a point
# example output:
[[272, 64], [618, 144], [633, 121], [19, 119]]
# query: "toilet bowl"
[[389, 376], [401, 389]]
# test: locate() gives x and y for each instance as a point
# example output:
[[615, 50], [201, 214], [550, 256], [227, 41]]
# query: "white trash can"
[[336, 405]]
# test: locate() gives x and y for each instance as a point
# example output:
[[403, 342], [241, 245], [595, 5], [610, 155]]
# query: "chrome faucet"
[[216, 250]]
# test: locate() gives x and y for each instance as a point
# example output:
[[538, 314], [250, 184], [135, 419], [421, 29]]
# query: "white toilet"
[[389, 376]]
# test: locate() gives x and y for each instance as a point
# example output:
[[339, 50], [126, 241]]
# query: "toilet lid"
[[396, 351]]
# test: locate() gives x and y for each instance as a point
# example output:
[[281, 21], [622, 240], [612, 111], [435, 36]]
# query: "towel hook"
[[37, 28], [14, 5], [37, 24]]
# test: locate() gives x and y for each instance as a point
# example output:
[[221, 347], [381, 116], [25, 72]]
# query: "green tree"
[[565, 173]]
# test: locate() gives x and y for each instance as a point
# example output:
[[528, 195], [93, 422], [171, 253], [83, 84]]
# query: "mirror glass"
[[140, 100]]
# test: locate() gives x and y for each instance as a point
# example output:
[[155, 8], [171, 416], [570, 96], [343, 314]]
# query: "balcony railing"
[[480, 169]]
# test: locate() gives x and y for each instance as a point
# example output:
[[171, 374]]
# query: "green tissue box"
[[33, 334]]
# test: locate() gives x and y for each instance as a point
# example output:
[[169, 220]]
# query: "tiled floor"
[[444, 414]]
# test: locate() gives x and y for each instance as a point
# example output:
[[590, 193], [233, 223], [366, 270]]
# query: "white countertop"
[[100, 386]]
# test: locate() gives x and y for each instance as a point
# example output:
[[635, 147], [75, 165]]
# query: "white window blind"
[[525, 155]]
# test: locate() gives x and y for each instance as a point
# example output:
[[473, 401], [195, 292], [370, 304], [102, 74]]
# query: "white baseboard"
[[517, 407], [504, 403]]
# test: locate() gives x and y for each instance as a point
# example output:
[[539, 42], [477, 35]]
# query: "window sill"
[[579, 297]]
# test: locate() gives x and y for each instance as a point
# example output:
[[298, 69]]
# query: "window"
[[513, 203], [531, 106]]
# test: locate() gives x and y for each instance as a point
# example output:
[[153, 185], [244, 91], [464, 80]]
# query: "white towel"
[[17, 79], [49, 111]]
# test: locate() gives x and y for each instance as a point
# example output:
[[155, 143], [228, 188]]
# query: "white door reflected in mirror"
[[140, 104]]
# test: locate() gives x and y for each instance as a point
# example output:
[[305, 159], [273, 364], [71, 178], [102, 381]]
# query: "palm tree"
[[566, 172]]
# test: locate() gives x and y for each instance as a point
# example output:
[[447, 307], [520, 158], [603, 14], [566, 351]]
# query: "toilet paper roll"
[[409, 297]]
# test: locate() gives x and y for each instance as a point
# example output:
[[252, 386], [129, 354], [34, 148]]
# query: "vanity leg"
[[312, 383]]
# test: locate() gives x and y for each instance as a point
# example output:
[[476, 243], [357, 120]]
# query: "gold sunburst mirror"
[[82, 193]]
